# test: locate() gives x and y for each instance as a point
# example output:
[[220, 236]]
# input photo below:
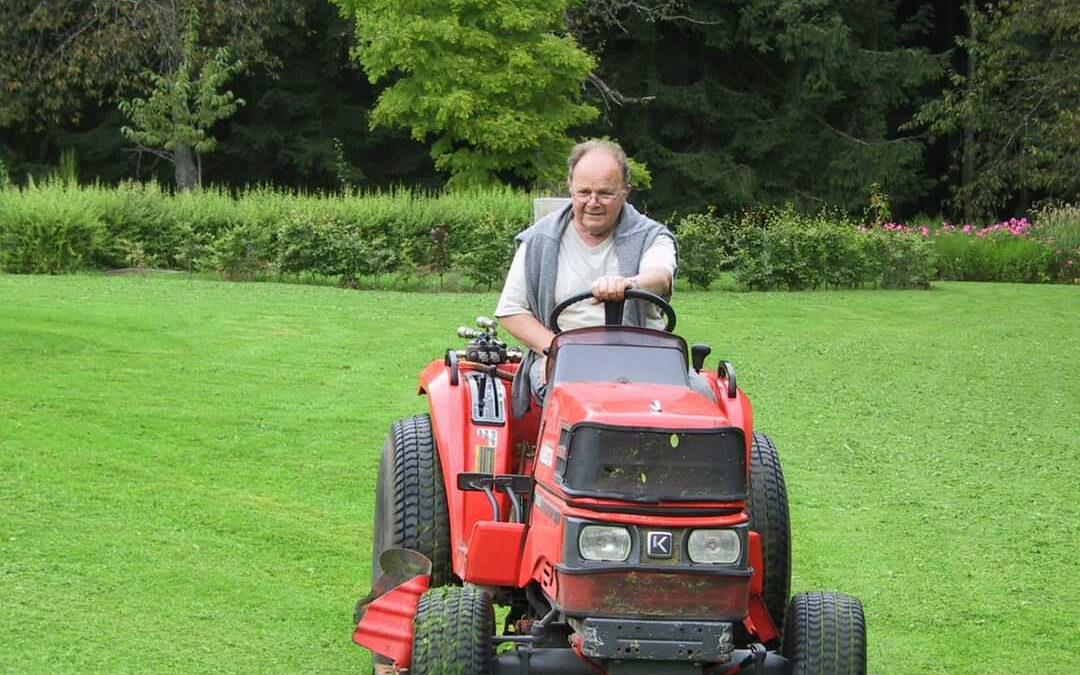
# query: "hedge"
[[54, 228], [782, 249], [265, 233]]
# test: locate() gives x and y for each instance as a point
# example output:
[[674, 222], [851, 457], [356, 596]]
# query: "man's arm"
[[528, 330]]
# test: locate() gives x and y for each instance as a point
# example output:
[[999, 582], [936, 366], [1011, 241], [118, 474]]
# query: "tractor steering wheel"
[[613, 309]]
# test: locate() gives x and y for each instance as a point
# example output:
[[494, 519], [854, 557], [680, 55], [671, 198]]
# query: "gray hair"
[[610, 147]]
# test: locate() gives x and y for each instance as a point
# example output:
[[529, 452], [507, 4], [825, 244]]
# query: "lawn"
[[187, 467]]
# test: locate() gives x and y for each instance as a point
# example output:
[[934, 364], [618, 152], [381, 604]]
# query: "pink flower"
[[924, 231], [967, 229], [1069, 262]]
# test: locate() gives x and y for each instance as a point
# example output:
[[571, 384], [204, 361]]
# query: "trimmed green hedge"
[[265, 233], [782, 249], [55, 228]]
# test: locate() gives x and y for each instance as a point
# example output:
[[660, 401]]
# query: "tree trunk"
[[967, 174], [187, 173]]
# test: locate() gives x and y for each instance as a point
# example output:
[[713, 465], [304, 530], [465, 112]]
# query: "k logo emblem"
[[658, 545]]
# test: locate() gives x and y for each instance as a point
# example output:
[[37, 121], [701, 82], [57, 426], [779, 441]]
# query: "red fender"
[[384, 619]]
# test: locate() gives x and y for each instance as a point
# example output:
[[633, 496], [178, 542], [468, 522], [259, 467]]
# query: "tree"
[[741, 102], [494, 82], [56, 53], [1016, 101], [184, 104], [64, 59]]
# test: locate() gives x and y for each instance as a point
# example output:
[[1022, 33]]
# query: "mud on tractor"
[[635, 524]]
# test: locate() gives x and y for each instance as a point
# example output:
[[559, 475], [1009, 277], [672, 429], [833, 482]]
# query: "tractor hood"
[[634, 405], [644, 443]]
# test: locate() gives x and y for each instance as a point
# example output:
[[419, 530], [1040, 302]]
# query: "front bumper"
[[655, 640], [548, 661]]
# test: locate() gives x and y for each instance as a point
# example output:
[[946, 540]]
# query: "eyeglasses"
[[603, 196]]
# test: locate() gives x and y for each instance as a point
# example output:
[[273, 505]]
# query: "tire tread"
[[825, 634], [452, 632]]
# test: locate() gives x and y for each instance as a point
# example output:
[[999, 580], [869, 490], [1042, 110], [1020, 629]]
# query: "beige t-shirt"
[[579, 266]]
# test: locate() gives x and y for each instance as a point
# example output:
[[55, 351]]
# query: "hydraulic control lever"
[[485, 345]]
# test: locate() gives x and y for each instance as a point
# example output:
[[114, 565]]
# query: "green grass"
[[187, 467]]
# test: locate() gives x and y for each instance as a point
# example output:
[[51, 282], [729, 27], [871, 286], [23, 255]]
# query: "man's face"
[[598, 192]]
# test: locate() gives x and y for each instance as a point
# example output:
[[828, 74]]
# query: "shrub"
[[1059, 227], [707, 245], [898, 259], [490, 250], [783, 249], [49, 229], [242, 252]]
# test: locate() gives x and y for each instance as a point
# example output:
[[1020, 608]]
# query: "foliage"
[[42, 235], [60, 54], [1018, 104], [184, 104], [763, 101], [487, 256], [1012, 251], [467, 237], [707, 245], [493, 82], [1059, 226], [263, 232], [783, 249]]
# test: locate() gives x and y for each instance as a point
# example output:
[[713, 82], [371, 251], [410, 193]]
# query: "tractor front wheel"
[[452, 632], [825, 634]]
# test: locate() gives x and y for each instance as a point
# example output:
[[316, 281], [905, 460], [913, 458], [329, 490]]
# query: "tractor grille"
[[655, 464]]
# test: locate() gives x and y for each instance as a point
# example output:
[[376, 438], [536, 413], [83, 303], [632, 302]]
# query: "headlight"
[[604, 542], [714, 546]]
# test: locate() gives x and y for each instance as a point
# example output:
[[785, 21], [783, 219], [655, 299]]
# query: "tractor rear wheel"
[[768, 506], [825, 634], [452, 632], [410, 498]]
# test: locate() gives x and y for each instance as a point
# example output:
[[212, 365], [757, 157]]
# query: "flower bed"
[[1015, 250]]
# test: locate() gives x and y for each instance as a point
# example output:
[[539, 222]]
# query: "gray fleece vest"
[[634, 233]]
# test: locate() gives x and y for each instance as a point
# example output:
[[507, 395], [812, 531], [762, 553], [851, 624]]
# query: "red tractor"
[[635, 524]]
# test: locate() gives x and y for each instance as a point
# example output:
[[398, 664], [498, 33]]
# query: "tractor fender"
[[465, 445], [384, 618]]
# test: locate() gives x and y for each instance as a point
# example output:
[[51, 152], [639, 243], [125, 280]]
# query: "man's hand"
[[611, 288]]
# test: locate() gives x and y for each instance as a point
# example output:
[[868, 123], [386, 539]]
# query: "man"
[[599, 243]]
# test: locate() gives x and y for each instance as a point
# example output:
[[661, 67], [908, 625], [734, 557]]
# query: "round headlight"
[[714, 546], [604, 542]]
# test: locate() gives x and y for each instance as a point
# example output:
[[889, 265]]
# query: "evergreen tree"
[[740, 102]]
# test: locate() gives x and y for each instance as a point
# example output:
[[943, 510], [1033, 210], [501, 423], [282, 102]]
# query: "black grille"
[[656, 464]]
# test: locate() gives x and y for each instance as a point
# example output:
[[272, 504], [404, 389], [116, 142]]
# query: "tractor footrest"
[[657, 640]]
